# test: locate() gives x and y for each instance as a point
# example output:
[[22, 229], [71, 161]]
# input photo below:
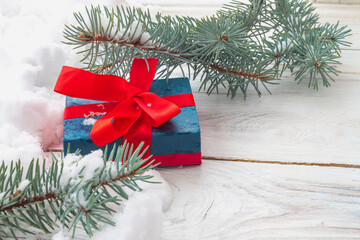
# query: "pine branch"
[[241, 45], [73, 190], [174, 41]]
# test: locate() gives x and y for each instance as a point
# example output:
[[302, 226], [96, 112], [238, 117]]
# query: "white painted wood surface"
[[233, 200], [350, 1], [338, 1], [327, 1]]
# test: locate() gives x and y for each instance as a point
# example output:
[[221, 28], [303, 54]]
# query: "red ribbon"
[[138, 110]]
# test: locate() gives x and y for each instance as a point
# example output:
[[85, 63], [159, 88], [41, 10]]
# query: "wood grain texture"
[[327, 1], [350, 1], [232, 200], [294, 124]]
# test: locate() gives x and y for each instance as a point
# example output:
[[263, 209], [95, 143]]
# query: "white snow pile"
[[31, 57], [141, 217], [138, 218], [31, 114]]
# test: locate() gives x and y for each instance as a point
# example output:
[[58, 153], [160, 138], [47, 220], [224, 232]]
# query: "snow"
[[31, 57], [23, 184], [31, 114], [139, 218], [135, 33], [89, 121], [61, 235], [4, 196], [142, 214], [17, 144], [74, 164]]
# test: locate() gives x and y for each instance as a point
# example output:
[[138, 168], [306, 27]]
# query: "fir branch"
[[47, 196], [174, 41], [242, 45]]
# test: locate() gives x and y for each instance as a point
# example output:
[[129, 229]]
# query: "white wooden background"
[[282, 166], [338, 1]]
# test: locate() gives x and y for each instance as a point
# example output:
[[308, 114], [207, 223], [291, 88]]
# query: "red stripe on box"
[[100, 109], [178, 159], [181, 100]]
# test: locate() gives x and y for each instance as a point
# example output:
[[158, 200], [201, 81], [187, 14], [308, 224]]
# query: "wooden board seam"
[[341, 165]]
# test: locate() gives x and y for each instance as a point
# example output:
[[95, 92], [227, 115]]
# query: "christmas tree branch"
[[71, 191], [241, 45], [175, 41], [50, 196]]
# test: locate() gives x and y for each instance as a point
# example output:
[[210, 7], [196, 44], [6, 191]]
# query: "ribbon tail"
[[141, 131]]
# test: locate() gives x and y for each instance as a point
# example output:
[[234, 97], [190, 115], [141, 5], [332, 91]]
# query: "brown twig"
[[137, 44], [317, 64], [26, 201], [328, 38], [244, 74], [223, 38]]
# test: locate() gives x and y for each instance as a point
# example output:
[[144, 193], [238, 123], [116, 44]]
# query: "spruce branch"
[[242, 45], [68, 193]]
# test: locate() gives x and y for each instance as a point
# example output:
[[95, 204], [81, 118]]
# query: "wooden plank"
[[294, 124], [227, 200], [349, 1], [328, 1]]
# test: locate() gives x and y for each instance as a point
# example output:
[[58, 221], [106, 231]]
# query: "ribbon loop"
[[142, 74], [74, 82], [156, 108], [115, 123]]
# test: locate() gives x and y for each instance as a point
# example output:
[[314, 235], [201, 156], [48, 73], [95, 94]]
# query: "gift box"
[[175, 142]]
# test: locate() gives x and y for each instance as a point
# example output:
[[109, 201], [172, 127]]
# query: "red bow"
[[138, 111]]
